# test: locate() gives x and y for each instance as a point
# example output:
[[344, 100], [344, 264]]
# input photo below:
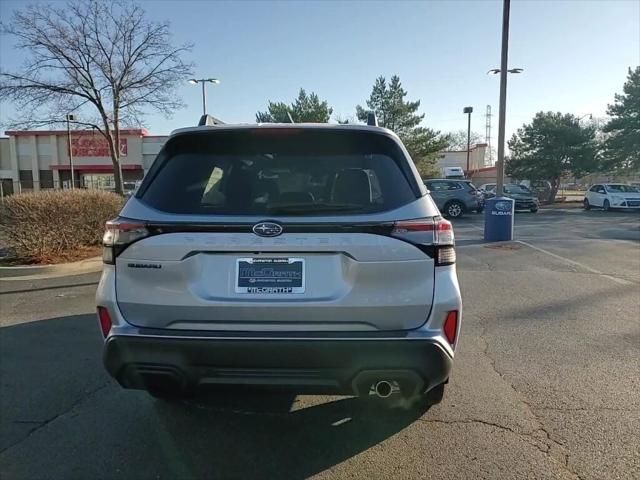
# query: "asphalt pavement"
[[546, 382]]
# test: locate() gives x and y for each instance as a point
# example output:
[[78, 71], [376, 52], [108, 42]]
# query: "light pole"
[[203, 81], [499, 211], [468, 111], [503, 70], [70, 118], [590, 115]]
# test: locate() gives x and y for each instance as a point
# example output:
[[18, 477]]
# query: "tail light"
[[105, 321], [118, 235], [433, 235], [450, 326]]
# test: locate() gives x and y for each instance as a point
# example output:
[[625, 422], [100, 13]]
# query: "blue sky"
[[575, 55]]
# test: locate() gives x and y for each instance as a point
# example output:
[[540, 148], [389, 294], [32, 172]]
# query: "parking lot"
[[545, 384]]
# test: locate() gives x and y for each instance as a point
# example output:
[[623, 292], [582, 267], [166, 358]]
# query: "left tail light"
[[105, 321], [118, 235]]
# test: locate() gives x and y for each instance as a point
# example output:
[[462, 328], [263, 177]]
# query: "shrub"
[[46, 225]]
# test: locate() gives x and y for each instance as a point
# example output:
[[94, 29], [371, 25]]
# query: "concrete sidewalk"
[[39, 272]]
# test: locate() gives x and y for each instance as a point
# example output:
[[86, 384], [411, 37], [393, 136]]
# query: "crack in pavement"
[[43, 423], [553, 446]]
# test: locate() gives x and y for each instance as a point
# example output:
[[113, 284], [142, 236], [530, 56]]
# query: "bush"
[[48, 225]]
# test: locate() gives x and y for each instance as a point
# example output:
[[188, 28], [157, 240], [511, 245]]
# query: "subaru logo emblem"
[[267, 229], [503, 206]]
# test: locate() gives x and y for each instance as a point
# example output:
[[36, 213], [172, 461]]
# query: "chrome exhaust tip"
[[383, 389]]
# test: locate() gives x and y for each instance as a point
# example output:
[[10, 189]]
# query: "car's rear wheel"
[[454, 209], [587, 205], [534, 210], [606, 206]]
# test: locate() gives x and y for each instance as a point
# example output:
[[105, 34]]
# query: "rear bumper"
[[314, 365]]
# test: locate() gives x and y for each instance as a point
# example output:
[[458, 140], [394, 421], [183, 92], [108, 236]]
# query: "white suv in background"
[[612, 196]]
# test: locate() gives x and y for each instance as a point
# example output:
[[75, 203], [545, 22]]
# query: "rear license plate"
[[270, 275]]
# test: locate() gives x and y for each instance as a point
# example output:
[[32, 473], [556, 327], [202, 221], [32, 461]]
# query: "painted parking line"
[[619, 281], [577, 264]]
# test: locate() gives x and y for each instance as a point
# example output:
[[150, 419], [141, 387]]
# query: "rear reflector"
[[450, 326], [105, 321]]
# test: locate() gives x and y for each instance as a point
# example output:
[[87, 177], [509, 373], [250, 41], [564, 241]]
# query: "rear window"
[[279, 172], [440, 186]]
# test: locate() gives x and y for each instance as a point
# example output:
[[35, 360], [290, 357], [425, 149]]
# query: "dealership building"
[[39, 159]]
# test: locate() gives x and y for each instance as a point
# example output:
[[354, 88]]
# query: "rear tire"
[[454, 209], [606, 206], [587, 205], [534, 210]]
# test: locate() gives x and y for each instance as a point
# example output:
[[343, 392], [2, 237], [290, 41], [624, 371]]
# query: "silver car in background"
[[306, 257]]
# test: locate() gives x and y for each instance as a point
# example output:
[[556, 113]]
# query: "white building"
[[39, 159], [478, 159]]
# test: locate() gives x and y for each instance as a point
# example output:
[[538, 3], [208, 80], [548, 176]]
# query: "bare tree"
[[457, 140], [103, 58]]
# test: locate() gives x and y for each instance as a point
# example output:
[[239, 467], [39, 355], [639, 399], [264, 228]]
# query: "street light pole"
[[468, 111], [503, 97], [195, 81], [204, 99], [70, 118]]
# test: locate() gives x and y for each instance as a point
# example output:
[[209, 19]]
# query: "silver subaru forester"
[[306, 257]]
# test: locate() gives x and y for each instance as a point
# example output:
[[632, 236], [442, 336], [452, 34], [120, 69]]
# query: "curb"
[[39, 272]]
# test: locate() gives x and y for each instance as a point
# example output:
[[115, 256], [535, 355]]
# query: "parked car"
[[307, 257], [524, 198], [487, 189], [455, 197], [131, 187], [609, 196], [539, 188]]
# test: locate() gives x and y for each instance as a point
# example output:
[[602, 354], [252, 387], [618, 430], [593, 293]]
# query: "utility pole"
[[70, 118], [503, 97]]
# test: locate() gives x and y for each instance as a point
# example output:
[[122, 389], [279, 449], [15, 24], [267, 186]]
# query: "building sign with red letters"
[[90, 146]]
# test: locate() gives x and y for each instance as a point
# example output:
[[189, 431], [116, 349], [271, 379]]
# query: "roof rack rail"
[[209, 120], [372, 120]]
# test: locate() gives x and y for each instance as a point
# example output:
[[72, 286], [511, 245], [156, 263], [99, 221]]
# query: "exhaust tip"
[[383, 389]]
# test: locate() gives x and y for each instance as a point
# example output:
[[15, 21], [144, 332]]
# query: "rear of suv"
[[306, 257], [454, 198]]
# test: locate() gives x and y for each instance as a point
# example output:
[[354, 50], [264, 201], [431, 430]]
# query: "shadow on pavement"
[[62, 416]]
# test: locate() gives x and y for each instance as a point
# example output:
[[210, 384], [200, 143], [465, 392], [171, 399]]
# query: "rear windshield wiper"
[[315, 207]]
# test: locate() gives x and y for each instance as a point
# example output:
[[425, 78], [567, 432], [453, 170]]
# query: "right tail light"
[[433, 235]]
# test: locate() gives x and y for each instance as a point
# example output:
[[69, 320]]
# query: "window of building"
[[46, 179]]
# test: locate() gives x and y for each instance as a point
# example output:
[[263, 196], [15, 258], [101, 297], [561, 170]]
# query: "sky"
[[575, 55]]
